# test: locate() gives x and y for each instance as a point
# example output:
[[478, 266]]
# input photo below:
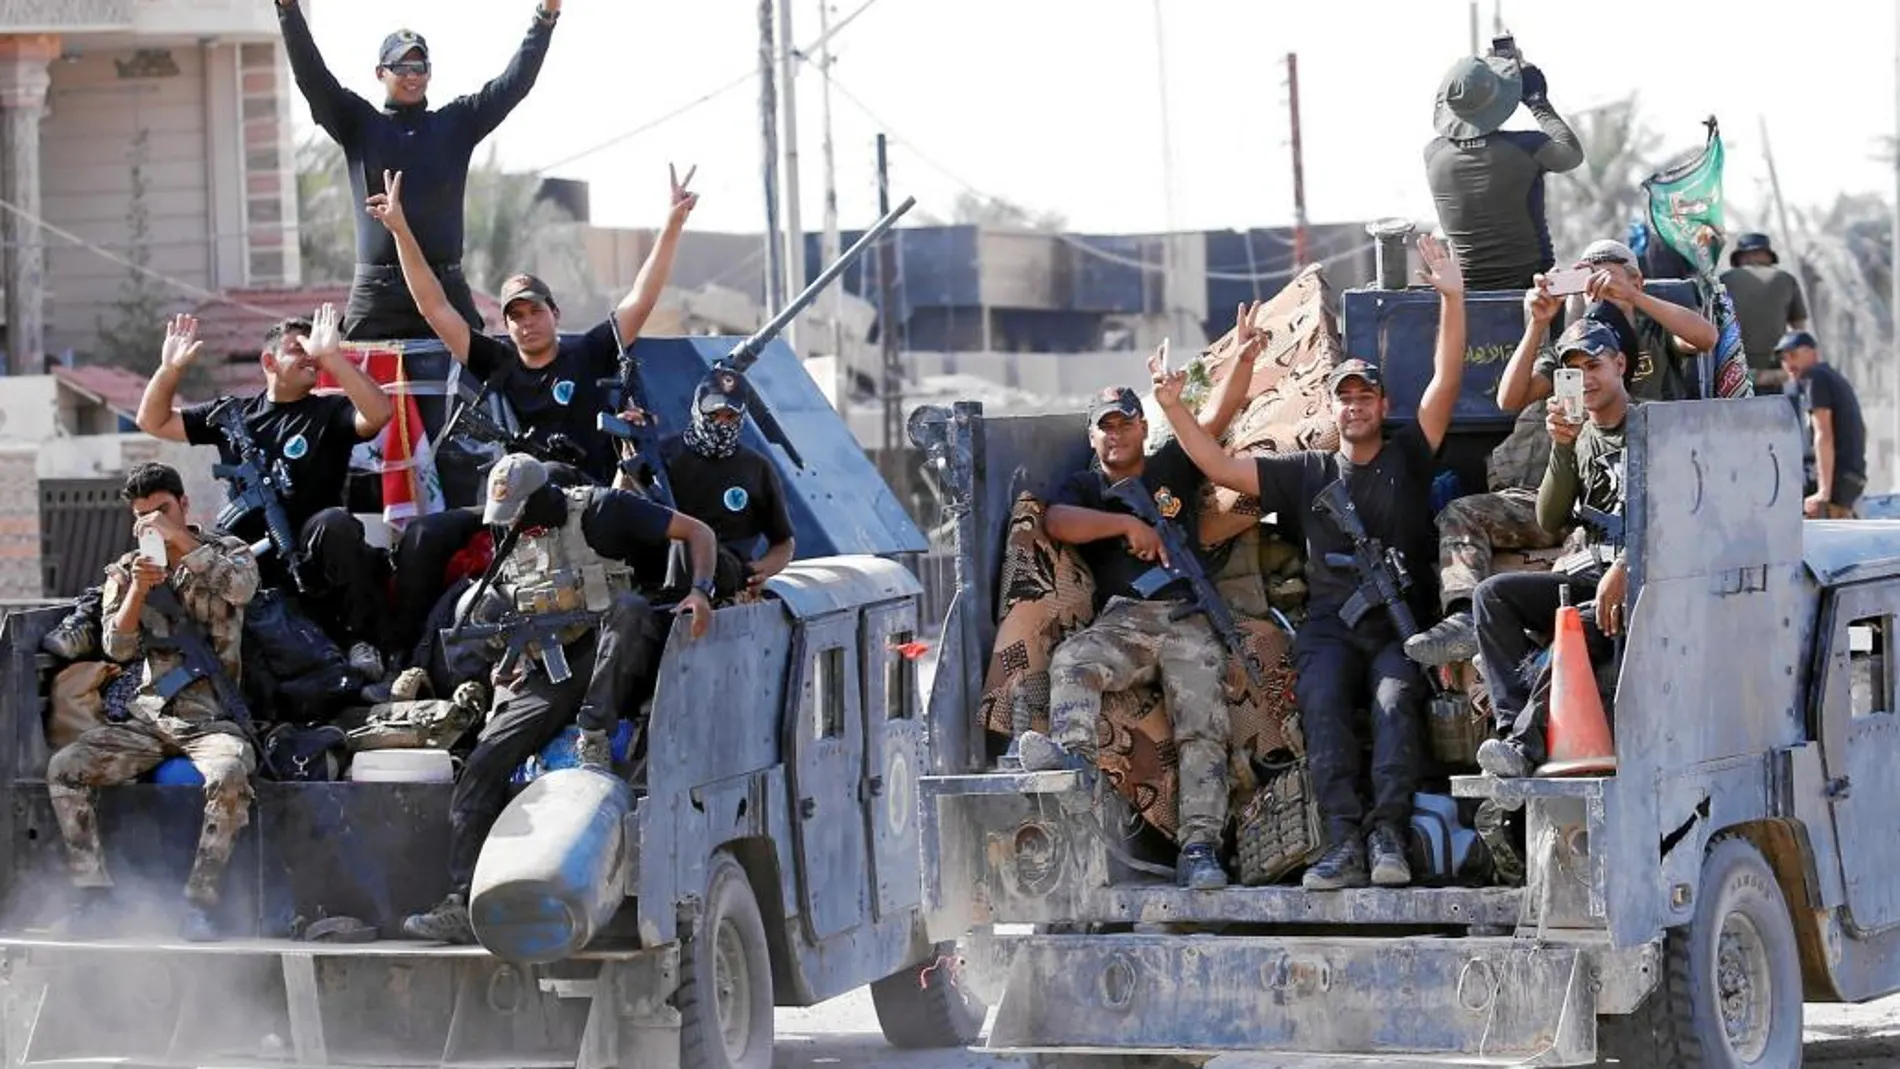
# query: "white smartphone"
[[152, 547], [1569, 392], [1166, 360], [1565, 281]]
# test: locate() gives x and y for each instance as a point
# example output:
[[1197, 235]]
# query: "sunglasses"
[[408, 66]]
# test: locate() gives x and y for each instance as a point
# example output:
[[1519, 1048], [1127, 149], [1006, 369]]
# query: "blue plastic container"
[[552, 871], [563, 752], [177, 772]]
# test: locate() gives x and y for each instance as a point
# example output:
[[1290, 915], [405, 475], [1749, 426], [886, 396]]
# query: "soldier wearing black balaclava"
[[730, 487]]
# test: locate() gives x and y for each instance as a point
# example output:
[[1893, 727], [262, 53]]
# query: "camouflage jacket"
[[1518, 462], [214, 583]]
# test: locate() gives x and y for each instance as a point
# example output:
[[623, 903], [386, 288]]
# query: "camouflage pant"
[[1132, 643], [1471, 527], [119, 753]]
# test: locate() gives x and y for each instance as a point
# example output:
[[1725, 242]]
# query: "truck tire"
[[725, 992], [1730, 990], [928, 1005]]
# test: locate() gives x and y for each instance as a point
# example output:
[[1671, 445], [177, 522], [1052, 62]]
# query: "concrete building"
[[159, 130]]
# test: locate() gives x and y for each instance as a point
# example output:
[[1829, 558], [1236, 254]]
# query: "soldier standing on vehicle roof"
[[204, 582], [1488, 183], [433, 147], [313, 436], [1341, 668], [728, 486], [572, 546], [1132, 636], [552, 383], [1768, 303], [1586, 467]]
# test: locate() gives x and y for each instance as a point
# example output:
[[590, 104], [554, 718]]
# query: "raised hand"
[[1441, 270], [1245, 333], [1168, 387], [684, 200], [1158, 362], [181, 343], [324, 340], [386, 207]]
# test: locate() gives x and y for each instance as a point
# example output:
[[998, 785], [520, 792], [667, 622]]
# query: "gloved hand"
[[1535, 88]]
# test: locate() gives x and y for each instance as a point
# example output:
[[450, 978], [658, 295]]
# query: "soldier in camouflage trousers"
[[212, 578]]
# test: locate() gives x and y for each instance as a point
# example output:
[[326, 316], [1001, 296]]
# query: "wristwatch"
[[704, 586]]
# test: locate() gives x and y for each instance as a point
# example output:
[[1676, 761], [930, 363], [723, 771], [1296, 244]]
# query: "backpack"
[[1441, 847], [293, 672]]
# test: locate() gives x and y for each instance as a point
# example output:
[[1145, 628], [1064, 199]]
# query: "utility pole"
[[1167, 180], [831, 243], [1474, 29], [794, 233], [1774, 187], [1299, 163], [1893, 306], [768, 127], [887, 334]]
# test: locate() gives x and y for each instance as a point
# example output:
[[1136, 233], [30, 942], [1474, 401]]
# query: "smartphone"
[[1505, 45], [1564, 281], [1569, 392], [1167, 361], [152, 547]]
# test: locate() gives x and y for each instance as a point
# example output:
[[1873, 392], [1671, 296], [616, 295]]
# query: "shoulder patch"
[[1166, 503]]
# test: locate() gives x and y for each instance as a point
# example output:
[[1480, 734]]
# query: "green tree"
[[1601, 196], [326, 211], [129, 335]]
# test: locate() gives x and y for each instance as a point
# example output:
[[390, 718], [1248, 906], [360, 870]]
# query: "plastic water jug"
[[563, 751], [553, 869]]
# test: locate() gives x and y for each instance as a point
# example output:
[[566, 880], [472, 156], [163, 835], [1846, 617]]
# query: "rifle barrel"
[[747, 351]]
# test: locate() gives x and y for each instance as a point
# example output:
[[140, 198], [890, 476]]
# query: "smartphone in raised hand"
[[152, 547], [1569, 392], [1565, 281]]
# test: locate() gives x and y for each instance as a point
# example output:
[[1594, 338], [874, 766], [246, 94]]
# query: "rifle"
[[521, 630], [201, 661], [1383, 579], [256, 484], [1607, 525], [472, 421], [1183, 564], [630, 388]]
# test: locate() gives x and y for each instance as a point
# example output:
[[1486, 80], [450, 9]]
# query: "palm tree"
[[510, 227], [1600, 197], [326, 211]]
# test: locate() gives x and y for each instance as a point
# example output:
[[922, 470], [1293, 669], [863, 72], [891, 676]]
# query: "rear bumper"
[[1503, 1000]]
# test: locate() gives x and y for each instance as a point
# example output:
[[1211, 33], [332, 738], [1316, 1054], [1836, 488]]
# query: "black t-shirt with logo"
[[1174, 483], [739, 496], [313, 437], [1393, 496], [561, 398]]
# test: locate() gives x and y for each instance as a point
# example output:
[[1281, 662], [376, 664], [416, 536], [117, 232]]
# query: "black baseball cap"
[[1796, 339], [1354, 369], [526, 286], [1591, 337], [1121, 399], [399, 44]]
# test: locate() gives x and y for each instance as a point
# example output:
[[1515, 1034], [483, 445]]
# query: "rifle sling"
[[189, 638]]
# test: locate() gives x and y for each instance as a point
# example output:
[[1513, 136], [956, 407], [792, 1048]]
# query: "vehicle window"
[[828, 693], [1870, 682], [899, 677]]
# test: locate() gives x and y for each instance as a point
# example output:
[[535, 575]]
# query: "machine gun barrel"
[[746, 353]]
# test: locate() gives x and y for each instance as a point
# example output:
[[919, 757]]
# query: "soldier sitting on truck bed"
[[551, 383], [1133, 636], [201, 586], [565, 551], [1586, 469], [1340, 666], [312, 437], [730, 487], [1470, 527]]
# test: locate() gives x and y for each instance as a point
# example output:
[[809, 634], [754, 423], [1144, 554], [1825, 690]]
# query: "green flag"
[[1685, 204]]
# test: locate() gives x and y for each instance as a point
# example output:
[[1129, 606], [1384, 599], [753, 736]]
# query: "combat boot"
[[595, 750], [1387, 851], [446, 923], [1343, 865], [1453, 639], [1040, 753], [1504, 759], [1198, 869], [198, 927]]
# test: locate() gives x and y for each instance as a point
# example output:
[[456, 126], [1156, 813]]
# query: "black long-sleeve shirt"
[[431, 148], [1490, 197]]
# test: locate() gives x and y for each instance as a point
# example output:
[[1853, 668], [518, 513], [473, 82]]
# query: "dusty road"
[[842, 1034]]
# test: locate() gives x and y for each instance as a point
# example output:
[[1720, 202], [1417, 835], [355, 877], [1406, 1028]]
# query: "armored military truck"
[[770, 858], [1739, 860]]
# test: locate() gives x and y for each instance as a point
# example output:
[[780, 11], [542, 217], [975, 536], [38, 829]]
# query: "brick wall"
[[19, 522]]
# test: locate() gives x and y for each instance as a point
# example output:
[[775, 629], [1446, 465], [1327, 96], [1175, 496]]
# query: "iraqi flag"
[[402, 454]]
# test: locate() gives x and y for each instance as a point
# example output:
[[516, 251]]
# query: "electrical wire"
[[1072, 240]]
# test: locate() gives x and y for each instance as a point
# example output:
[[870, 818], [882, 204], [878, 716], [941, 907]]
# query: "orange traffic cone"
[[1578, 734]]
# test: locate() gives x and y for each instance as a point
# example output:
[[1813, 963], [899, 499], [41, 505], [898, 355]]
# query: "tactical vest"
[[557, 571]]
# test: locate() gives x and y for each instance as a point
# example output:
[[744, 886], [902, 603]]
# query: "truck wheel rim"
[[1744, 988], [732, 990]]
